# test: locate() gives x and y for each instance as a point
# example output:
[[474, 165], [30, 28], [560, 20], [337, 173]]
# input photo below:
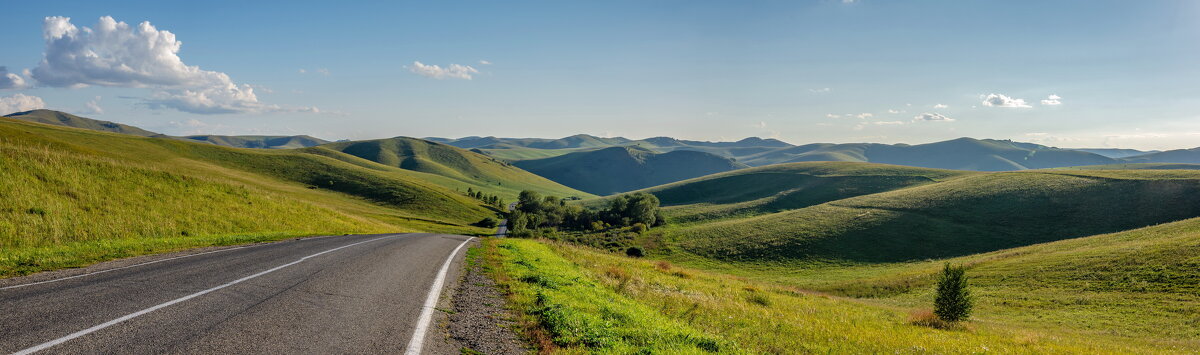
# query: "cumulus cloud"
[[20, 103], [1052, 100], [454, 71], [116, 54], [931, 116], [830, 115], [941, 106], [998, 100], [93, 107], [10, 80], [865, 115]]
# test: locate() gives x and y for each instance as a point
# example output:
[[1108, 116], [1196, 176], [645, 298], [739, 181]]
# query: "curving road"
[[345, 294]]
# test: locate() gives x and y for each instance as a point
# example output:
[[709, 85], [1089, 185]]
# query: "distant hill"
[[959, 154], [467, 169], [266, 142], [1188, 156], [1115, 152], [619, 169], [69, 120]]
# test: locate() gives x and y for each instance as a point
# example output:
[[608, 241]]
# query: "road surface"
[[344, 294]]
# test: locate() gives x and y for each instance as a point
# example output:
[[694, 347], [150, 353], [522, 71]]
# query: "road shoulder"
[[474, 318]]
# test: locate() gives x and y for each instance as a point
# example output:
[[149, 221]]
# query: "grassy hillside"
[[76, 196], [972, 214], [619, 169], [461, 168], [1139, 284], [775, 188], [575, 300], [69, 120], [268, 142]]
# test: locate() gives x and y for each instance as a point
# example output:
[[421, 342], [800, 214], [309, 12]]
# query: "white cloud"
[[998, 100], [20, 103], [893, 111], [761, 124], [323, 71], [303, 71], [931, 116], [821, 90], [865, 115], [941, 106], [93, 107], [118, 55], [484, 62], [830, 115], [1052, 100], [454, 71], [10, 80], [887, 123]]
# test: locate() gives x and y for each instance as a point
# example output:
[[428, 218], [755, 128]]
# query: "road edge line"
[[417, 342]]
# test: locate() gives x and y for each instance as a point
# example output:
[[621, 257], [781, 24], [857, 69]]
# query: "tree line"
[[486, 198], [534, 212]]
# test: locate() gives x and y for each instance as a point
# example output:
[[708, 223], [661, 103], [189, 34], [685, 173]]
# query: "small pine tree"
[[953, 302]]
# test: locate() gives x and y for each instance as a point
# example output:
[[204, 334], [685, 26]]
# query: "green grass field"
[[74, 196], [577, 300]]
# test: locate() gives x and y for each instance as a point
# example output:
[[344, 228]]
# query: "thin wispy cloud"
[[453, 71], [932, 116], [93, 107], [1052, 100]]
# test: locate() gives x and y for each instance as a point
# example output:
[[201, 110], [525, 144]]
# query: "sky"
[[1061, 73]]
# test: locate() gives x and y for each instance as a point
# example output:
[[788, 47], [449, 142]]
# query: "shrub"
[[487, 222], [953, 302], [639, 228], [636, 252]]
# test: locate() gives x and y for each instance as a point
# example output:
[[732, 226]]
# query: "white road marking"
[[435, 291], [110, 323], [142, 264]]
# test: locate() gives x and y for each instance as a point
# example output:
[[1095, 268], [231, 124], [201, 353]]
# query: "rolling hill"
[[780, 187], [619, 169], [75, 196], [69, 120], [65, 119], [464, 169], [261, 142], [967, 215]]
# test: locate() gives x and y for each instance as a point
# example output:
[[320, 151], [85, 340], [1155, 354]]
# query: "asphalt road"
[[344, 294]]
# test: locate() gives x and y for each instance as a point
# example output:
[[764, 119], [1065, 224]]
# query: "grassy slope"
[[65, 119], [74, 196], [1137, 284], [961, 216], [576, 300], [461, 168], [775, 188], [272, 142]]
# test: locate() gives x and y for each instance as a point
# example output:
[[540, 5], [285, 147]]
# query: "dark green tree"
[[953, 302]]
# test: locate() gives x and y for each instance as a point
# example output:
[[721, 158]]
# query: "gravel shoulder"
[[478, 322]]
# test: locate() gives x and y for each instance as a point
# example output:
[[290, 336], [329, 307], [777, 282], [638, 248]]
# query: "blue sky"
[[884, 71]]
